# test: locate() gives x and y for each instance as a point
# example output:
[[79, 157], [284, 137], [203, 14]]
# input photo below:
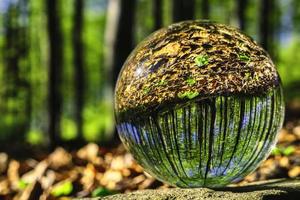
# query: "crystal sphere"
[[199, 104]]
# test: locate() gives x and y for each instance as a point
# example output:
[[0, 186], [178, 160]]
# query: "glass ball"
[[199, 104]]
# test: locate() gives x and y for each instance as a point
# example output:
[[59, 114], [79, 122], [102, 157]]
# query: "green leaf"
[[101, 192], [276, 151], [146, 90], [244, 57], [201, 60], [22, 184], [188, 94], [161, 83], [62, 189], [190, 81], [288, 151]]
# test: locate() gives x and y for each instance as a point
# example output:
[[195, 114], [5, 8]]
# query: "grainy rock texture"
[[268, 190]]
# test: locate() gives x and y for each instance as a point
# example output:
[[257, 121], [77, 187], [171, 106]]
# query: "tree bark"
[[55, 71], [157, 13], [267, 26], [79, 80], [17, 68], [264, 27], [241, 12], [296, 15], [183, 10], [205, 9], [11, 53], [124, 41]]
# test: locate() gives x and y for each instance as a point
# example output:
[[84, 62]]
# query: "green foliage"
[[146, 90], [190, 81], [98, 122], [201, 60], [188, 94], [68, 129], [35, 137], [63, 189], [243, 57], [101, 192], [161, 83], [286, 151], [145, 23], [22, 184], [288, 64]]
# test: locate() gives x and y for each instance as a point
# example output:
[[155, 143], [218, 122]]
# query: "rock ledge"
[[282, 189]]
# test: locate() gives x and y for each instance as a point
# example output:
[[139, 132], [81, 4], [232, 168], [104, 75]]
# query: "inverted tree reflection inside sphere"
[[199, 104]]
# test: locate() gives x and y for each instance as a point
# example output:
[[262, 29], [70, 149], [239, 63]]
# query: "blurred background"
[[59, 59]]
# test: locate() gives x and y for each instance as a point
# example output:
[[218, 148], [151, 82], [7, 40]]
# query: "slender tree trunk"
[[241, 13], [11, 53], [296, 15], [111, 27], [23, 49], [55, 71], [11, 70], [79, 79], [264, 27], [16, 63], [124, 41], [183, 10], [119, 39], [268, 21], [205, 9], [157, 12]]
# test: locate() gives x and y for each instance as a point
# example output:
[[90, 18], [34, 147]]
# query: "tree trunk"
[[79, 80], [55, 71], [264, 27], [268, 21], [11, 53], [124, 41], [296, 15], [119, 39], [241, 12], [25, 79], [205, 9], [157, 13], [183, 10], [16, 63]]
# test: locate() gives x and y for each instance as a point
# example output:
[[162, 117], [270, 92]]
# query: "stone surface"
[[269, 190]]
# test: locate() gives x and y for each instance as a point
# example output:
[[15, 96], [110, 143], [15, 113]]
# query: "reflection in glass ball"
[[199, 104]]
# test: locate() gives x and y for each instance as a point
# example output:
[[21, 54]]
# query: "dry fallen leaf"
[[3, 162], [59, 158], [294, 172]]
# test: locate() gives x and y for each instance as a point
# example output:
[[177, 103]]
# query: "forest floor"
[[97, 171]]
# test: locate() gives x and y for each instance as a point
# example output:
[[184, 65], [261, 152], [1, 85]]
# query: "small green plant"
[[22, 184], [190, 81], [62, 189], [201, 60], [286, 151], [247, 75], [162, 82], [244, 57], [146, 90], [188, 94], [101, 192]]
